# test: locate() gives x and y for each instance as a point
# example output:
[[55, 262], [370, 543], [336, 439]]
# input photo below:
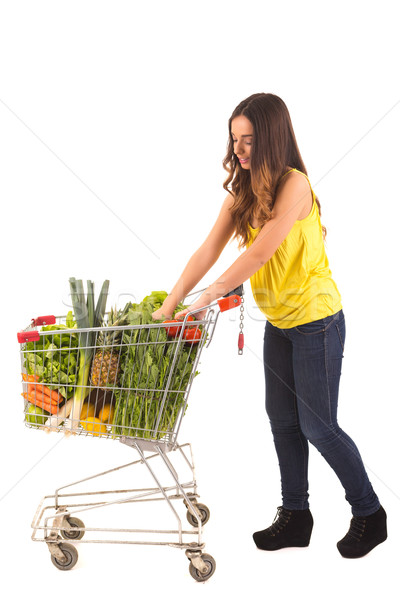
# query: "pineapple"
[[105, 365]]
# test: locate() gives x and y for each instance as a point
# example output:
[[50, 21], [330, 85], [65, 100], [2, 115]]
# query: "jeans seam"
[[305, 461], [329, 324], [340, 337], [327, 380], [305, 466]]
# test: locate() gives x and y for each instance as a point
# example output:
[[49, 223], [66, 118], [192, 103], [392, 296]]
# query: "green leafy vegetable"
[[54, 357], [151, 364]]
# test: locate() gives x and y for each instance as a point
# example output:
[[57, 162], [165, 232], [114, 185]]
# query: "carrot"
[[26, 377], [53, 395], [51, 408], [42, 397], [35, 397], [42, 388]]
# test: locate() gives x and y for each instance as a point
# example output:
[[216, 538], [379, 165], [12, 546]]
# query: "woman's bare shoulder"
[[294, 185], [292, 178], [228, 202]]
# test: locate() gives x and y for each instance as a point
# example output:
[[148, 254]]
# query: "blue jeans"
[[302, 372]]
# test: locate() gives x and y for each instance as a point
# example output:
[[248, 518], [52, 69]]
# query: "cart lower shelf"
[[56, 520]]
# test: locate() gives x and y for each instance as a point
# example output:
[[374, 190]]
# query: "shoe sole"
[[360, 555]]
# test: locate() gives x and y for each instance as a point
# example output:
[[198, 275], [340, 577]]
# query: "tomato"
[[192, 335], [174, 330]]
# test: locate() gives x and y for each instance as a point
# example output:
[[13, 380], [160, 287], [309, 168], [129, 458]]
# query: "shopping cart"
[[141, 377]]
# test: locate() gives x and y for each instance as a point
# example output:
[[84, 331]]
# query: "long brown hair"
[[274, 151]]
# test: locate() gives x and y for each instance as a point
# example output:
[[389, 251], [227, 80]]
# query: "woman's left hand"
[[199, 315]]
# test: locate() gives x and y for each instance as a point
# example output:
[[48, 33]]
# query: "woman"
[[273, 212]]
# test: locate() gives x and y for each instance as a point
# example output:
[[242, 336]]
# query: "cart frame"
[[55, 519]]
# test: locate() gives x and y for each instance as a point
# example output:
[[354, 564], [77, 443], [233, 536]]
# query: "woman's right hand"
[[162, 313]]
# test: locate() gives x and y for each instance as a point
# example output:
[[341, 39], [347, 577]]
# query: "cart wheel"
[[71, 534], [204, 515], [211, 566], [71, 557]]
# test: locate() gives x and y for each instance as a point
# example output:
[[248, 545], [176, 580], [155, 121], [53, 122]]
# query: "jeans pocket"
[[320, 325], [311, 328]]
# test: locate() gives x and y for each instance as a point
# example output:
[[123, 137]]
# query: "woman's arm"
[[201, 261], [290, 202]]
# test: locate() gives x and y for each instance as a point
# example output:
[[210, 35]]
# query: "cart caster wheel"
[[210, 564], [204, 515], [71, 534], [71, 557]]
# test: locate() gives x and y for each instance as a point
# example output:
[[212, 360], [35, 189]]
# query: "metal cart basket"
[[137, 393]]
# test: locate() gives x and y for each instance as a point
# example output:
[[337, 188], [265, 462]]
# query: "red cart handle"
[[229, 302], [33, 336], [28, 336], [48, 320]]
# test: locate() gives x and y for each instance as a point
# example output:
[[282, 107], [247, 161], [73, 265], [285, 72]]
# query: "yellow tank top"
[[295, 286]]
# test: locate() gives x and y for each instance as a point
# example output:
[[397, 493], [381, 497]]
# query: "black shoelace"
[[357, 528], [282, 518]]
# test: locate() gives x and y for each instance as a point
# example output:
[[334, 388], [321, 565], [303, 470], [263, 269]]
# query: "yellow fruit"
[[94, 425], [87, 412], [106, 415]]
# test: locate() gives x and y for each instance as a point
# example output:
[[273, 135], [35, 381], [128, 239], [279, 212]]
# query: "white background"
[[113, 126]]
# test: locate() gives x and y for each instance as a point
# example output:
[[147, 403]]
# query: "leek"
[[86, 317], [54, 421]]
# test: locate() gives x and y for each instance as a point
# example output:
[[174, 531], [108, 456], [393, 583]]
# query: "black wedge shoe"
[[364, 534], [291, 528]]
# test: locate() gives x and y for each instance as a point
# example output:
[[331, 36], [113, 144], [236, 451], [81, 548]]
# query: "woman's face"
[[242, 133]]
